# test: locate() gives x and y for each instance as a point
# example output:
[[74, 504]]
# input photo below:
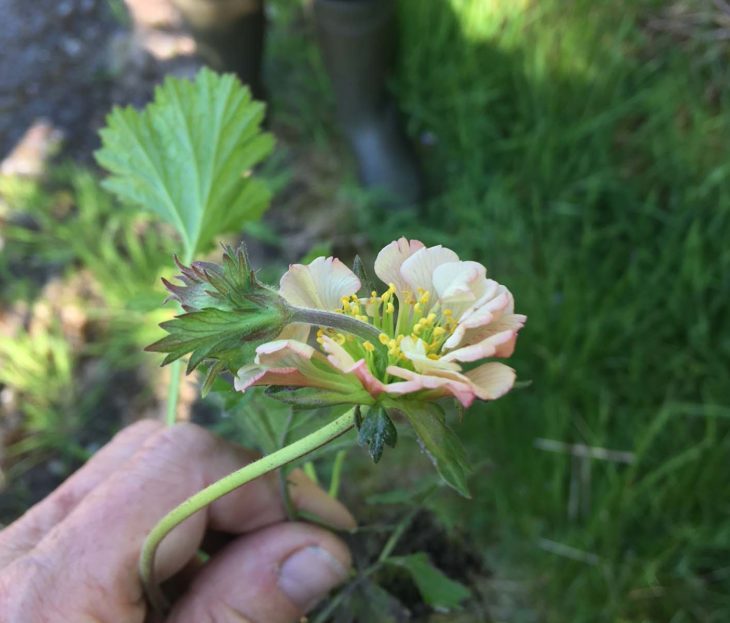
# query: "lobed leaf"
[[188, 154]]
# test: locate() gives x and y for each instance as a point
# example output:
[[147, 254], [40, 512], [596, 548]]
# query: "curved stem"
[[223, 486], [322, 318]]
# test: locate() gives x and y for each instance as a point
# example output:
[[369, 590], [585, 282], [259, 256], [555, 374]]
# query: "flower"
[[437, 316]]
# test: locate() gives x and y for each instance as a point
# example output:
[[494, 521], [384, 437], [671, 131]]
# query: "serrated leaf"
[[440, 443], [438, 590], [215, 333], [187, 156], [315, 397], [377, 431]]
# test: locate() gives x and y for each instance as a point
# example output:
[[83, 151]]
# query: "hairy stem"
[[322, 318], [223, 486]]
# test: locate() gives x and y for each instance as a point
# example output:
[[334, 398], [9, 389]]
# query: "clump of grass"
[[589, 173]]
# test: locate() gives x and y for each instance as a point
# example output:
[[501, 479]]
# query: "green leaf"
[[377, 430], [217, 334], [187, 156], [440, 443], [438, 590]]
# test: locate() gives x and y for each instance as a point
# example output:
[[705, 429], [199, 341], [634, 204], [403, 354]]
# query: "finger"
[[28, 530], [104, 534], [274, 575]]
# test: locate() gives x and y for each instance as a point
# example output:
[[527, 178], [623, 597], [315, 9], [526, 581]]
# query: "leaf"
[[315, 397], [377, 430], [440, 442], [187, 156], [438, 590], [217, 334]]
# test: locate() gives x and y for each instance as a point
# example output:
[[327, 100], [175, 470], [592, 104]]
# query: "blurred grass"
[[585, 160]]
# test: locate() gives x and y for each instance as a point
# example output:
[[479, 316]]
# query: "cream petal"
[[418, 269], [391, 257], [492, 380], [283, 353], [462, 335], [319, 285], [459, 283]]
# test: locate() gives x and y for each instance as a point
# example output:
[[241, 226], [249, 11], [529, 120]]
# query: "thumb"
[[274, 575]]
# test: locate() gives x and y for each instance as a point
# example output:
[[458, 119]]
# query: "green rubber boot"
[[229, 35], [358, 40]]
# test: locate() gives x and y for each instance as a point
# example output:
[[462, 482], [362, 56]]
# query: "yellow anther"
[[424, 298], [390, 308], [374, 294], [431, 318], [368, 346], [399, 339], [418, 329], [340, 338], [439, 331], [433, 357], [417, 308], [394, 352], [383, 339], [448, 312], [393, 344], [391, 288], [385, 296]]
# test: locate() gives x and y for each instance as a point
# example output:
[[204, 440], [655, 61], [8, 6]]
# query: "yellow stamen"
[[383, 339], [390, 308], [439, 331], [368, 346], [340, 338]]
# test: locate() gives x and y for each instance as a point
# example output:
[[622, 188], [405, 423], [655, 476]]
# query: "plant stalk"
[[333, 320], [223, 486]]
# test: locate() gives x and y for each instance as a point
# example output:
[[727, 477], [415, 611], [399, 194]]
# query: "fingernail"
[[309, 574]]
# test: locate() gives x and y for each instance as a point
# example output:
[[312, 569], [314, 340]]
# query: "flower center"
[[413, 316]]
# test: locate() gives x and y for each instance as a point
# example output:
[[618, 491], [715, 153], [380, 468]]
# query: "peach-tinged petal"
[[437, 385], [487, 347], [492, 380], [342, 360], [319, 285], [509, 322], [249, 376], [391, 258], [418, 269], [283, 353]]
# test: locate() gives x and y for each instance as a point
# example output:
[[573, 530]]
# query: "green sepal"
[[376, 430], [439, 442], [366, 282], [316, 397]]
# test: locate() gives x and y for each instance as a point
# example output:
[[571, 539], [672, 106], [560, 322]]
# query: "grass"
[[582, 158]]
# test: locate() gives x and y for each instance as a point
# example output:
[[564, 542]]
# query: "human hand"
[[73, 557]]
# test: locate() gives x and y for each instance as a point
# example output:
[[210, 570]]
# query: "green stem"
[[334, 489], [322, 318], [223, 486]]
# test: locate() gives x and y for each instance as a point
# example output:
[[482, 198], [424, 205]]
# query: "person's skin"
[[73, 557]]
